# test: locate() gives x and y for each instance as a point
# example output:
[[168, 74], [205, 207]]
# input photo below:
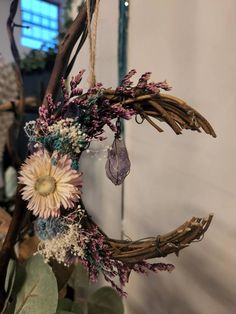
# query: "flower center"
[[45, 185]]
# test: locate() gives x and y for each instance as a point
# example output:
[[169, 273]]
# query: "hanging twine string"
[[92, 33]]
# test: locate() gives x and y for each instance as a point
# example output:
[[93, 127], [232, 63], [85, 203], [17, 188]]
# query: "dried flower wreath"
[[52, 182]]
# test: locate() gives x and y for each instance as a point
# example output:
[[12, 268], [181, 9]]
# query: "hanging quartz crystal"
[[118, 163]]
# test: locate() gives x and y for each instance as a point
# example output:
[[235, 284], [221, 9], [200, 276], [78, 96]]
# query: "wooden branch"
[[170, 109], [65, 49], [30, 101], [15, 53], [161, 245], [177, 113]]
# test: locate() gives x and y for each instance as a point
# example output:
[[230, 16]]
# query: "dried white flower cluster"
[[65, 246], [30, 129], [67, 128], [68, 244]]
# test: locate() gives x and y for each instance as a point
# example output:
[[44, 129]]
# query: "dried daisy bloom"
[[49, 183]]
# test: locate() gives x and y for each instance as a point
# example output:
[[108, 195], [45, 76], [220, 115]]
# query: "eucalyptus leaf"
[[38, 292], [19, 280], [11, 273], [77, 308], [64, 312], [105, 301], [79, 277], [66, 305], [9, 282]]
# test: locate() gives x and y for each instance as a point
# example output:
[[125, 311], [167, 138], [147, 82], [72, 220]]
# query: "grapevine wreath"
[[51, 179]]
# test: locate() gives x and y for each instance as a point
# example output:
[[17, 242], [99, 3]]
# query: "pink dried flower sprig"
[[47, 115], [98, 259], [143, 86]]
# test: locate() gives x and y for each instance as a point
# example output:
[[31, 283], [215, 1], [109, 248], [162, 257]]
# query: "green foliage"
[[37, 60], [10, 277], [79, 277], [62, 273], [65, 312], [9, 282], [67, 306], [35, 289], [105, 301]]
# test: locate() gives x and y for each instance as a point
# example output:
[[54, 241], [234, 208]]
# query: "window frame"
[[58, 3]]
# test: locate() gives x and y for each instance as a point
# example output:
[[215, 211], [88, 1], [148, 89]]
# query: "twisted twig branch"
[[170, 109], [160, 246]]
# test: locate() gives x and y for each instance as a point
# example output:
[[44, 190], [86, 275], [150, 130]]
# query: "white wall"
[[102, 198], [192, 44]]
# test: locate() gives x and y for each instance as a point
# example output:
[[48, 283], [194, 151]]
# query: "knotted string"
[[92, 34]]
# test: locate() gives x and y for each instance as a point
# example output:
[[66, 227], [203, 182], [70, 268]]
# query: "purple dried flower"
[[126, 80], [76, 80], [96, 108], [64, 90], [164, 85], [76, 92], [95, 89], [142, 83]]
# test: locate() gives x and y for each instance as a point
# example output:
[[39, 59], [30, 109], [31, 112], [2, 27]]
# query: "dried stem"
[[10, 28], [65, 49]]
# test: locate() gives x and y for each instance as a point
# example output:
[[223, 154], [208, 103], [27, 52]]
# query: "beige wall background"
[[192, 44], [102, 198]]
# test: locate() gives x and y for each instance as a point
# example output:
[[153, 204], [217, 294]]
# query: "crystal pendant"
[[118, 163]]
